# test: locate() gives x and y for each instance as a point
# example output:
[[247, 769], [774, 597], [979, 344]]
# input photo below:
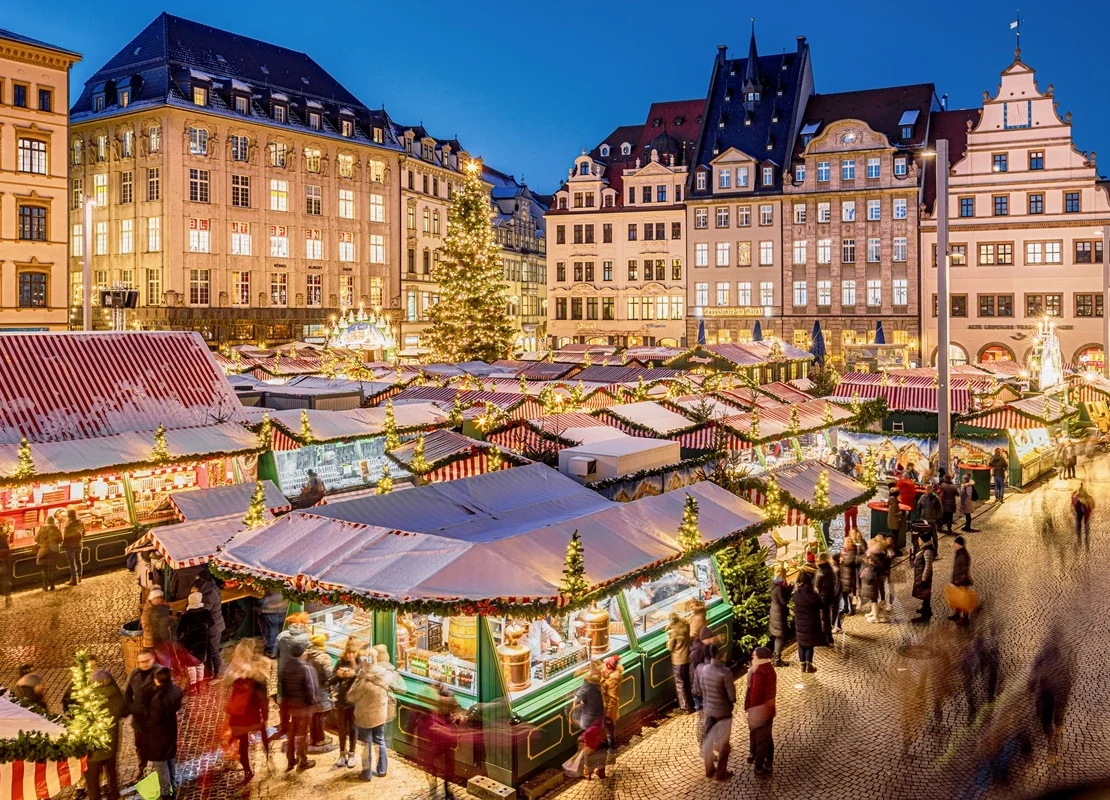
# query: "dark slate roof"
[[162, 61], [950, 125], [678, 120], [615, 163], [783, 79], [880, 109], [18, 37]]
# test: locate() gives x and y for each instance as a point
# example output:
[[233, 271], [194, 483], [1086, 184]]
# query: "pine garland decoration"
[[574, 583], [389, 427], [828, 418], [587, 360], [576, 397], [256, 511], [640, 393], [161, 452], [494, 459], [689, 535], [418, 465], [795, 425], [25, 466], [276, 368], [306, 427], [549, 399], [469, 322], [266, 432], [385, 482]]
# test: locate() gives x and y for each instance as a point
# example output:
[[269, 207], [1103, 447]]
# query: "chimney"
[[722, 50], [944, 102], [801, 43]]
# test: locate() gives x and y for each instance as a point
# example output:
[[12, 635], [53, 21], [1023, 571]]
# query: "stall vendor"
[[312, 492], [542, 637]]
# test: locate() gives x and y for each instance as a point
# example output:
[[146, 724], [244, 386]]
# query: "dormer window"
[[752, 97], [200, 96], [242, 105], [279, 113], [584, 168], [314, 120], [562, 204], [379, 136], [124, 98], [605, 151], [347, 128], [98, 102], [428, 151], [768, 176], [626, 149], [699, 181], [907, 122], [907, 131]]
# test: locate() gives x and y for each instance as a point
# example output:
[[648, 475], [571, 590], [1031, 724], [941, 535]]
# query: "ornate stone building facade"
[[518, 227], [249, 197], [617, 243], [34, 224], [850, 220], [1026, 211]]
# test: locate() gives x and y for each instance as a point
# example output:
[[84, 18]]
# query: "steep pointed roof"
[[751, 69]]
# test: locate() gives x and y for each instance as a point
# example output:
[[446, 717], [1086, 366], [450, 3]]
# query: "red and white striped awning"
[[30, 780], [464, 468], [793, 515], [280, 440], [905, 398], [1003, 420]]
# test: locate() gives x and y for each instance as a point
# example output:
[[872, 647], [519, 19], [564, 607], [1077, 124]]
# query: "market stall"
[[443, 455], [224, 501], [656, 421], [542, 438], [346, 449], [762, 362], [786, 433], [1033, 428], [475, 584]]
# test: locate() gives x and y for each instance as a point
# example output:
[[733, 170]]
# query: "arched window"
[[995, 352], [1090, 357], [605, 151], [626, 149], [312, 159], [584, 168]]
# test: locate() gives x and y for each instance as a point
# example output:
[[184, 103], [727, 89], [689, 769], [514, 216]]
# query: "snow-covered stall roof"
[[69, 386], [191, 544], [496, 537], [15, 719], [198, 504], [650, 415], [86, 456], [358, 422]]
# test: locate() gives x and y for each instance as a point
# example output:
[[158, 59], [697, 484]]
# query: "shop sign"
[[732, 311]]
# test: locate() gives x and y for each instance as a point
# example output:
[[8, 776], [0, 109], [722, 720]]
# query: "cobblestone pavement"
[[862, 726]]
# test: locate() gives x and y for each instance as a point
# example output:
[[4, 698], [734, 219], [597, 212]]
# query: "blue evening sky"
[[527, 85]]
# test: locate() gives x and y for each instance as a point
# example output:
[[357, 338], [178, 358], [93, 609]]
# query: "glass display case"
[[650, 603], [439, 649], [340, 623], [100, 502], [150, 488], [342, 466], [535, 653]]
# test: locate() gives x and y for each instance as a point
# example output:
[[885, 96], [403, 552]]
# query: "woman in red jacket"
[[759, 704]]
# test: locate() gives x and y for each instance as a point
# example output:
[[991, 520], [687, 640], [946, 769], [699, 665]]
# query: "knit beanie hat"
[[196, 600], [156, 592]]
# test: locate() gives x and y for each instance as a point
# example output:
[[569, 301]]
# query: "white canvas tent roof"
[[190, 544], [358, 422], [221, 501], [651, 415], [499, 536], [14, 719]]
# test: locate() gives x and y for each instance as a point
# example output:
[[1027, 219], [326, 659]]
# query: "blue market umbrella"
[[701, 331], [817, 346], [757, 332], [879, 337]]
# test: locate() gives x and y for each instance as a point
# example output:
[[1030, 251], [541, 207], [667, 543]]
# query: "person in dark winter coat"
[[999, 467], [700, 653], [104, 762], [248, 707], [295, 633], [299, 695], [759, 703], [136, 704], [718, 690], [30, 688], [49, 541], [779, 617], [961, 575], [929, 506], [848, 573], [317, 656], [967, 500], [923, 575], [73, 537], [161, 733], [156, 621], [807, 620], [949, 495], [209, 588], [192, 634], [826, 584], [5, 568]]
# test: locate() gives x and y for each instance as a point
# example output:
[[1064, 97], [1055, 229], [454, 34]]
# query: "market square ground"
[[839, 732]]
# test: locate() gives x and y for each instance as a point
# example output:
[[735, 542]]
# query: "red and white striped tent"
[[774, 423], [451, 456], [354, 423], [191, 544], [512, 404], [30, 780], [547, 434], [798, 484], [1030, 412], [653, 420], [904, 398]]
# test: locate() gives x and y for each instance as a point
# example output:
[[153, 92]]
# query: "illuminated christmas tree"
[[266, 433], [306, 427], [689, 536], [455, 416], [256, 512], [25, 465], [523, 385], [828, 418], [772, 502], [389, 427], [469, 321], [494, 459], [548, 399], [385, 482], [753, 425], [574, 583], [795, 425], [418, 465], [870, 468], [161, 451], [587, 361], [88, 720], [576, 397]]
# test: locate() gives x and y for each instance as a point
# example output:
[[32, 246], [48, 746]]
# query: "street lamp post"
[[86, 268], [944, 405]]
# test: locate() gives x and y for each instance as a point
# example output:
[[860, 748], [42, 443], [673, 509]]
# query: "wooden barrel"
[[462, 637]]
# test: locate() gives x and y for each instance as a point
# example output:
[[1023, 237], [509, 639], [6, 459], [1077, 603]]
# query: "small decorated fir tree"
[[89, 721], [25, 463], [574, 584], [256, 511], [523, 385], [266, 432], [385, 482], [870, 474], [828, 418], [469, 322], [795, 425], [455, 415], [161, 452], [418, 465], [689, 535], [753, 425], [494, 459], [306, 427], [389, 427], [577, 396], [772, 502]]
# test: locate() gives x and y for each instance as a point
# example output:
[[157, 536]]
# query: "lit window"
[[242, 105], [313, 245], [279, 195], [766, 293], [279, 241], [824, 251], [32, 290], [800, 252], [200, 96], [801, 293], [824, 293], [901, 292], [239, 147], [279, 288], [346, 204], [799, 213], [346, 246], [154, 138], [377, 248], [278, 153], [199, 287], [848, 292], [100, 189], [701, 254], [32, 156], [314, 290], [126, 236], [874, 293], [101, 239], [848, 211], [377, 208], [899, 208], [198, 141], [874, 250], [900, 248], [766, 253], [240, 239], [240, 288], [723, 250], [199, 237], [153, 234]]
